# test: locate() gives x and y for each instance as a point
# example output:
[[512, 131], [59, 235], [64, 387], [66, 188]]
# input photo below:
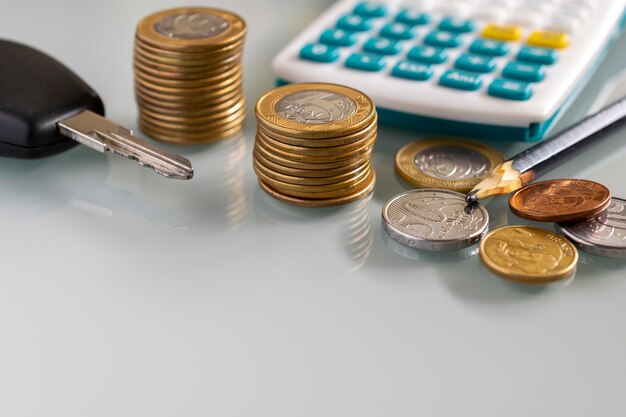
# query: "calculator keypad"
[[501, 47]]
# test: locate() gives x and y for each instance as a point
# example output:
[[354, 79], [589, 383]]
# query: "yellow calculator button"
[[549, 39], [503, 32]]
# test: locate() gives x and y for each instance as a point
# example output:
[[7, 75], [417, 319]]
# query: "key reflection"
[[298, 240], [216, 197]]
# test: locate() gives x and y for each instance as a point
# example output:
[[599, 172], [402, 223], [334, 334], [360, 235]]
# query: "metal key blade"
[[103, 135]]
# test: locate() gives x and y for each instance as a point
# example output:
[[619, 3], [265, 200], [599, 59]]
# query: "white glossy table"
[[126, 294]]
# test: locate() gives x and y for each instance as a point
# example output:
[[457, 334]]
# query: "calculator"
[[493, 69]]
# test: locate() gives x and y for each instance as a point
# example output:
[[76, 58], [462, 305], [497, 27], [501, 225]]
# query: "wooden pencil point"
[[503, 179]]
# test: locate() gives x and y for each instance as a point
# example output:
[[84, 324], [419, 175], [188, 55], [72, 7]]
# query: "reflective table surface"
[[126, 294]]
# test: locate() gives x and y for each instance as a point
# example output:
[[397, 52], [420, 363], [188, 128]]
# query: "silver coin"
[[191, 25], [434, 220], [452, 163], [315, 107], [604, 235]]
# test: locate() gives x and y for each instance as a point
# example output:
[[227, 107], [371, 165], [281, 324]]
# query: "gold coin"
[[306, 170], [193, 111], [200, 100], [186, 66], [184, 92], [191, 29], [176, 74], [206, 55], [322, 142], [330, 151], [365, 149], [194, 128], [297, 180], [183, 106], [194, 119], [447, 164], [210, 120], [315, 110], [307, 165], [199, 83], [528, 255], [209, 136], [318, 203], [315, 191]]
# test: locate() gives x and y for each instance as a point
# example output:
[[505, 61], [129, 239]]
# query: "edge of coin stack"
[[314, 143], [188, 74]]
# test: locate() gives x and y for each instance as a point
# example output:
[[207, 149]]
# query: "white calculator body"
[[496, 69]]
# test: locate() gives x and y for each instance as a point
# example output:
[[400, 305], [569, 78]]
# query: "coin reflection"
[[214, 199], [290, 241]]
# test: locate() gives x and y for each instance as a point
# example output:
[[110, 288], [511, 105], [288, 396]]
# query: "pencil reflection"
[[290, 241]]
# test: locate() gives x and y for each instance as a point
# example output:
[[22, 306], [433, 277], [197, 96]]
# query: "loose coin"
[[315, 110], [560, 200], [434, 220], [603, 235], [448, 164], [528, 255]]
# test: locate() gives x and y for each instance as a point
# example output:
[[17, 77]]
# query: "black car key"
[[46, 109]]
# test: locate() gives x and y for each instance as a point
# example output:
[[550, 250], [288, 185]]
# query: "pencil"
[[525, 167]]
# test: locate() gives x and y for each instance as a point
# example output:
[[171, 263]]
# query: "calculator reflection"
[[289, 243]]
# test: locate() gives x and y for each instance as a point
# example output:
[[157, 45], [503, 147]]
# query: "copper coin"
[[560, 200]]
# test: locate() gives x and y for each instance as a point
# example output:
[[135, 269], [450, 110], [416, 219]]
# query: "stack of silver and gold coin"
[[188, 74], [314, 143]]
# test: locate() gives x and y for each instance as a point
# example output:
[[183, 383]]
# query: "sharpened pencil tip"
[[472, 197]]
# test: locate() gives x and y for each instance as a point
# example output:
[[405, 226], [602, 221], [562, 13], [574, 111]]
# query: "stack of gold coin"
[[188, 74], [314, 143]]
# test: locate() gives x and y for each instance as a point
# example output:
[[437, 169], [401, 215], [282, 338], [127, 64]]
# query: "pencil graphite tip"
[[472, 197]]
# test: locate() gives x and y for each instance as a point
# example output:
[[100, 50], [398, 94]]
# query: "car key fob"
[[45, 109], [37, 91]]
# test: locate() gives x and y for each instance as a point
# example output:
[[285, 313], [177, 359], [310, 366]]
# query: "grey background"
[[125, 294]]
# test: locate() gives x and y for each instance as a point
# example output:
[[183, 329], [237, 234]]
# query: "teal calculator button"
[[413, 17], [524, 72], [382, 46], [428, 54], [339, 37], [355, 23], [366, 62], [450, 24], [412, 71], [319, 53], [511, 90], [475, 63], [461, 80], [398, 31], [535, 55], [370, 9], [489, 47], [443, 39]]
